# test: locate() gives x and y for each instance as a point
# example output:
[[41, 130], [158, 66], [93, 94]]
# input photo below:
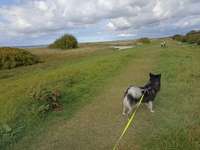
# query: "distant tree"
[[67, 41]]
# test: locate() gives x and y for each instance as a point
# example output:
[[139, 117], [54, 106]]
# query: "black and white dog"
[[133, 94]]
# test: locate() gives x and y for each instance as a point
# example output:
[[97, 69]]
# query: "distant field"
[[92, 80]]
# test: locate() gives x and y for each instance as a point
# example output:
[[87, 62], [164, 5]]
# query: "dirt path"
[[99, 124]]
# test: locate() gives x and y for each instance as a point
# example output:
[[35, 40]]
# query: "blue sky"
[[34, 22], [8, 2]]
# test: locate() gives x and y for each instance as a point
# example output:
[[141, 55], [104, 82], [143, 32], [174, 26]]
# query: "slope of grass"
[[77, 79]]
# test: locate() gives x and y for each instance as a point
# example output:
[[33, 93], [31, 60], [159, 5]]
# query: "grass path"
[[98, 125]]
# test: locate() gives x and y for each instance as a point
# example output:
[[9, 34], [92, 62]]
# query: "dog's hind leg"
[[150, 106], [125, 106], [129, 110], [124, 110]]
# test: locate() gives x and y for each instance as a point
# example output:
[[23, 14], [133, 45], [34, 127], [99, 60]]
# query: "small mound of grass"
[[15, 57]]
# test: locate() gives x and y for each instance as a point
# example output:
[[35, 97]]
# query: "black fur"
[[151, 88], [131, 99], [133, 94]]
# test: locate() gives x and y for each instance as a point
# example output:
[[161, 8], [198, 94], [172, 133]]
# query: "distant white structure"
[[122, 47]]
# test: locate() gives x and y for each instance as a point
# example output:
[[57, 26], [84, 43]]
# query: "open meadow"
[[91, 81]]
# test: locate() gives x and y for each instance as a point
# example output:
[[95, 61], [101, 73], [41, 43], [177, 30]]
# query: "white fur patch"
[[136, 92]]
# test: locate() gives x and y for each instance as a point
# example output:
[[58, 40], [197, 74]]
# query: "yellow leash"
[[128, 123]]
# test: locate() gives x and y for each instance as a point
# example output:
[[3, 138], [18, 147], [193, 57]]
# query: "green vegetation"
[[176, 124], [177, 37], [88, 86], [48, 100], [76, 78], [192, 37], [14, 57], [144, 40], [67, 41]]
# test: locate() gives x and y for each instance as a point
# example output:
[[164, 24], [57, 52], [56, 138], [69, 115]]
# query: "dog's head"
[[155, 80]]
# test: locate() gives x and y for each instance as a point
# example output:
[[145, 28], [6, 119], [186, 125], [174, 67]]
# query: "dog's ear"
[[150, 74]]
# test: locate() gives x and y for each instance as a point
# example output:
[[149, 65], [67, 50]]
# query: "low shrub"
[[144, 40], [47, 100], [192, 37], [67, 41], [177, 37], [198, 42], [14, 57], [183, 39]]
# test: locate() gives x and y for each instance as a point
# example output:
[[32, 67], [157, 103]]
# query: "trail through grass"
[[77, 79], [97, 125]]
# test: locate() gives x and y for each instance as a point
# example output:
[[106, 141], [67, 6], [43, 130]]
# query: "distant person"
[[163, 44]]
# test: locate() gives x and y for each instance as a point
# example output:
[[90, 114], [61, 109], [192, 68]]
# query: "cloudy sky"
[[31, 22]]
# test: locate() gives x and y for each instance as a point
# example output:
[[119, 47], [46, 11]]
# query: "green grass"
[[92, 83], [177, 122], [77, 79]]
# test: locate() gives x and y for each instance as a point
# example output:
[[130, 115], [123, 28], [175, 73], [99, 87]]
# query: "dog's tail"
[[126, 92]]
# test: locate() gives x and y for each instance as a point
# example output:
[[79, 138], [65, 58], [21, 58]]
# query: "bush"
[[192, 37], [14, 57], [198, 42], [67, 41], [144, 40], [177, 37], [183, 39], [48, 100]]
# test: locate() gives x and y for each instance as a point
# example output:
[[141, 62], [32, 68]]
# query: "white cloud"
[[111, 26], [126, 35], [188, 21], [158, 11], [39, 17]]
